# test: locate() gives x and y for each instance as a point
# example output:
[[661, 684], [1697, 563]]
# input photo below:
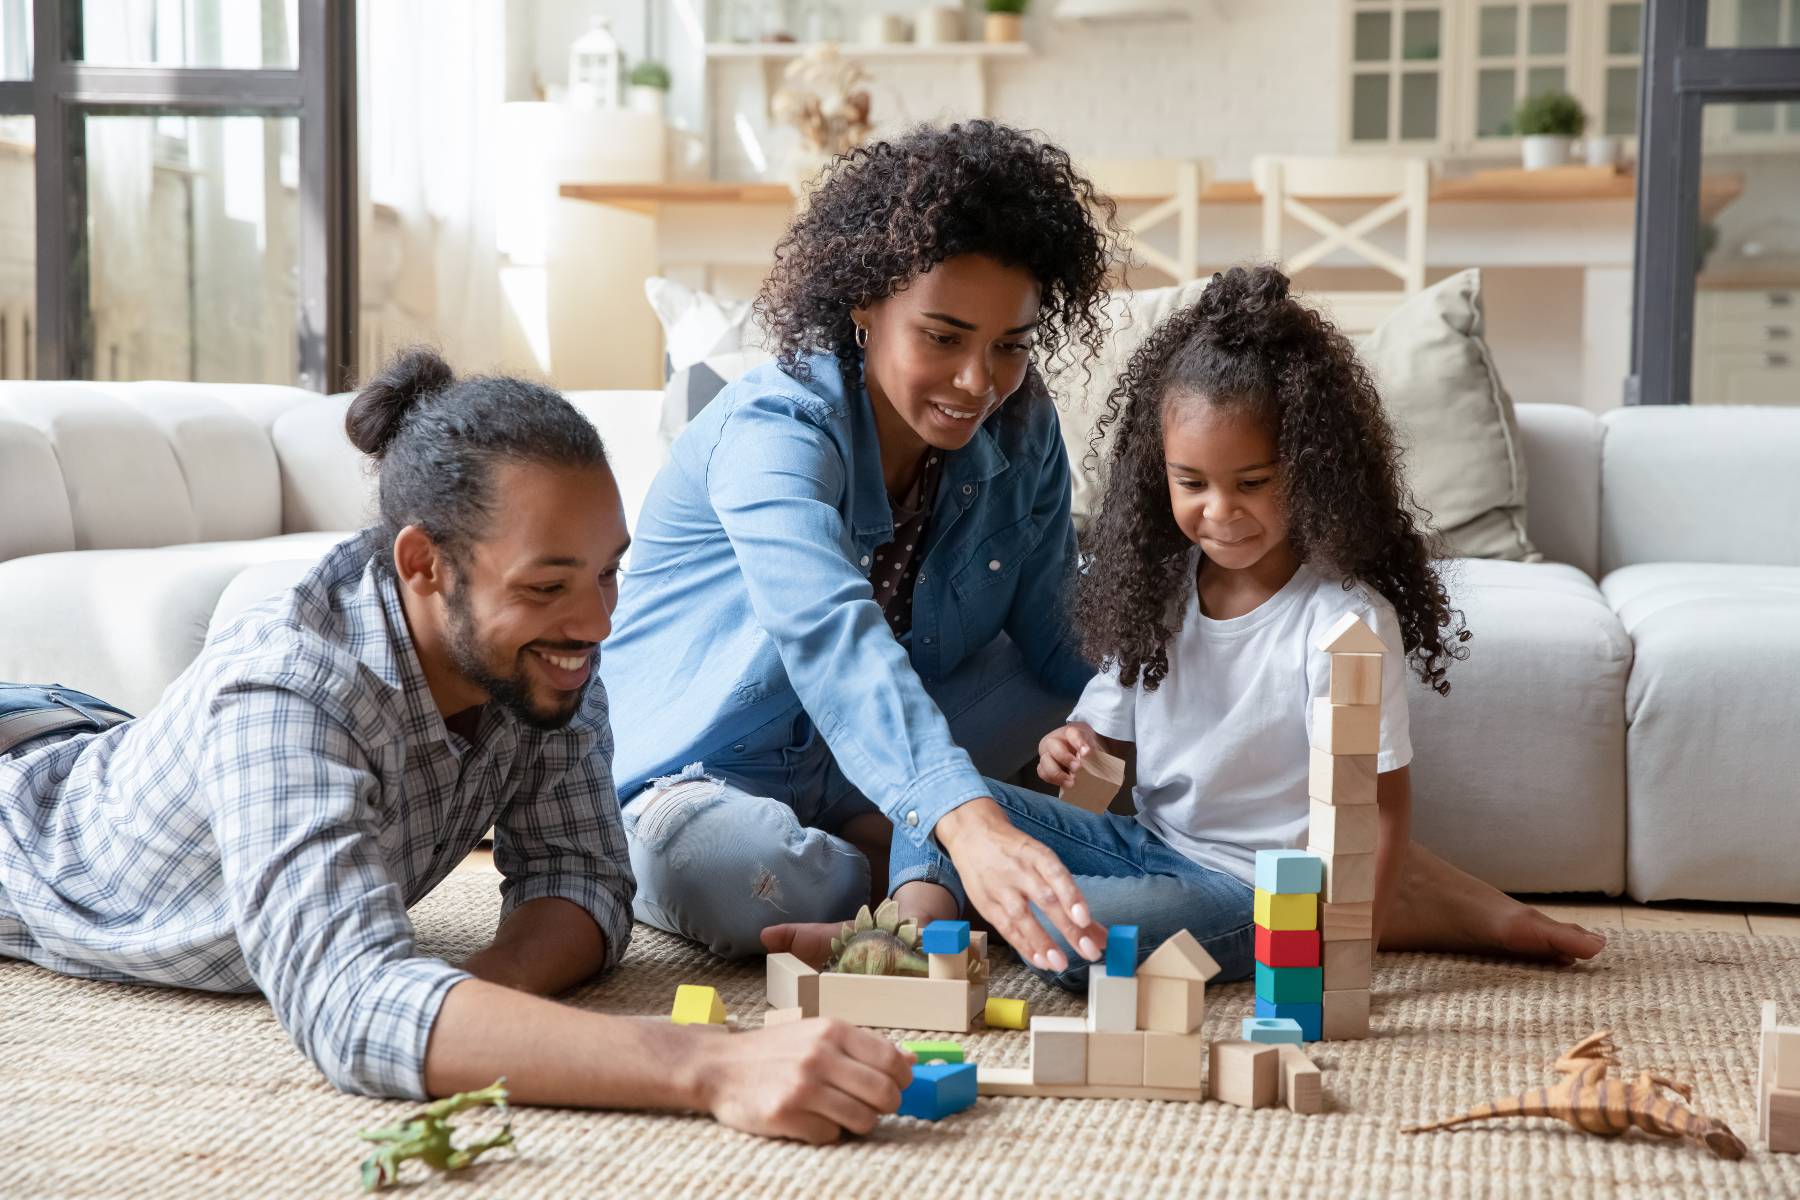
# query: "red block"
[[1288, 947]]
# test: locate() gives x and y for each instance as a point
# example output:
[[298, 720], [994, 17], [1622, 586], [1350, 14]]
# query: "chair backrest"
[[1397, 187], [1171, 187]]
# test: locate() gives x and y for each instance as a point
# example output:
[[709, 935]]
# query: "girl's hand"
[[1005, 872], [1062, 752]]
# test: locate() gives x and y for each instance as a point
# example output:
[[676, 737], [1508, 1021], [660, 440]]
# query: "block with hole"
[[1289, 872], [696, 1004], [938, 1090], [1272, 1031]]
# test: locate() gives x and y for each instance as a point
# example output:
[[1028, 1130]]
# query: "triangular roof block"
[[1180, 957], [1348, 635]]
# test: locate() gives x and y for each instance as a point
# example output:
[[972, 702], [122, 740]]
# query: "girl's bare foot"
[[811, 944], [1440, 907]]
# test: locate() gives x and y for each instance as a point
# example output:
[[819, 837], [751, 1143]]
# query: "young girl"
[[1254, 496]]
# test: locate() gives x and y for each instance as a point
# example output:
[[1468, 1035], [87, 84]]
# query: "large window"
[[177, 190]]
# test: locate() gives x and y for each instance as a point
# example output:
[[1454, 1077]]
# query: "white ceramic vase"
[[1542, 150], [650, 100]]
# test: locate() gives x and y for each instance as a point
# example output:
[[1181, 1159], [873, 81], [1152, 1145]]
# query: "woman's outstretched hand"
[[1005, 872]]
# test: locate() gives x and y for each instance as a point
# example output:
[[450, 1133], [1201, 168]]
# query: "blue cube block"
[[1121, 951], [939, 1089], [1311, 1017], [1290, 985], [1272, 1030], [1293, 872], [945, 937]]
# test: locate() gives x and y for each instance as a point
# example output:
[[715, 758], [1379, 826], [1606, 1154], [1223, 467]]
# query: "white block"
[[1112, 1002]]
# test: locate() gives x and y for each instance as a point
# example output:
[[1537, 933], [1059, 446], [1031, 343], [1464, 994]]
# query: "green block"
[[1290, 985], [925, 1052]]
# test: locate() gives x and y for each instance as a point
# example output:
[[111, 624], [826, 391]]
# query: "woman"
[[847, 594]]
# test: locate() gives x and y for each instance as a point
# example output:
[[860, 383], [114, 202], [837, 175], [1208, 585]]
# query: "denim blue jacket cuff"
[[932, 795]]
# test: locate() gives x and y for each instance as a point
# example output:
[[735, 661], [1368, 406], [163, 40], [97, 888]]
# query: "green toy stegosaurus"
[[880, 943], [426, 1136]]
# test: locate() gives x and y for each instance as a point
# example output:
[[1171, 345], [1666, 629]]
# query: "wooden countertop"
[[1497, 186]]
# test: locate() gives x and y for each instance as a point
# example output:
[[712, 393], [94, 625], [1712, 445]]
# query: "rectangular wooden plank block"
[[1116, 1058], [1346, 728], [1174, 1059], [792, 984], [1302, 1084], [1350, 829], [1243, 1073], [1349, 878], [1349, 964], [1016, 1081], [1058, 1050], [1343, 779], [782, 1016], [1355, 678], [890, 1002], [1346, 1015], [1291, 911], [1784, 1120], [1347, 922]]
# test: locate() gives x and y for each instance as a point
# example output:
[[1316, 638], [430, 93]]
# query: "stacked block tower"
[[1778, 1083], [1344, 829], [1289, 963]]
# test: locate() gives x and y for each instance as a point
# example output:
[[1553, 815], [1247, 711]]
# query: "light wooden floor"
[[1597, 912]]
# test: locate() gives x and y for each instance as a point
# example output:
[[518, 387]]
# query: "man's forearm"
[[545, 947]]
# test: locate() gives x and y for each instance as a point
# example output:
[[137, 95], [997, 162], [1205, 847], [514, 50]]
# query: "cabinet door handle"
[[1777, 333], [1777, 360], [1780, 299]]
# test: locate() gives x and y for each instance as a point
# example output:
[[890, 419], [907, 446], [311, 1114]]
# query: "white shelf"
[[872, 49]]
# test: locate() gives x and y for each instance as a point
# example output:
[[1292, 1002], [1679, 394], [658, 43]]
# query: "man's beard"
[[512, 692]]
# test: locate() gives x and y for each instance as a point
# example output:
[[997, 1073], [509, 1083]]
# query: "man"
[[334, 753]]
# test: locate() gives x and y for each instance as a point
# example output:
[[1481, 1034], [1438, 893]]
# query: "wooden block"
[[1295, 911], [892, 1002], [1289, 985], [1116, 1059], [1784, 1120], [948, 966], [1174, 1059], [792, 984], [1170, 1005], [978, 998], [1289, 872], [1302, 1084], [1181, 956], [1112, 1002], [939, 1089], [1096, 783], [1346, 1016], [1349, 964], [978, 943], [1765, 1068], [1002, 1013], [697, 1005], [1787, 1058], [1356, 679], [1121, 950], [1341, 779], [1309, 1015], [1347, 922], [1288, 947], [926, 1052], [1058, 1050], [783, 1016], [945, 937], [1016, 1081], [1349, 634], [1272, 1031], [1346, 728], [1351, 829], [1349, 878], [1243, 1073]]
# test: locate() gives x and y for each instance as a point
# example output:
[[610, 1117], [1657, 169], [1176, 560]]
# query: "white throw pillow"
[[707, 343]]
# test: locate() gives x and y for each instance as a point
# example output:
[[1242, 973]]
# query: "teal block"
[[1292, 872], [1290, 985], [1272, 1030]]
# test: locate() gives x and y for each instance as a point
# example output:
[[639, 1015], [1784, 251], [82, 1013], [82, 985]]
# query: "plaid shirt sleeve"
[[561, 835], [295, 807]]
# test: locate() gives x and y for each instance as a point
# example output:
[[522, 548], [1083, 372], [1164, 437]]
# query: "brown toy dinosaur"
[[1592, 1103]]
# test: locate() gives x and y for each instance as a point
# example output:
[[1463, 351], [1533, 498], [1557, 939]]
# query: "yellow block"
[[1007, 1014], [697, 1005], [1287, 910]]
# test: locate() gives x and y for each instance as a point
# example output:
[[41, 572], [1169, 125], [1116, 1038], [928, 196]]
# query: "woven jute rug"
[[109, 1090]]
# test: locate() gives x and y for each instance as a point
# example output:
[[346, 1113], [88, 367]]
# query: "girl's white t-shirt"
[[1222, 743]]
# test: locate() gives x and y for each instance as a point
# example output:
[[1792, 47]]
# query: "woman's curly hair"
[[886, 213], [1247, 344]]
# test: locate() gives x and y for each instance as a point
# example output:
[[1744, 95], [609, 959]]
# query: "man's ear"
[[423, 569]]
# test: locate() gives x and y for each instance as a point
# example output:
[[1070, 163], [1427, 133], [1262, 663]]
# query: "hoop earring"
[[862, 337]]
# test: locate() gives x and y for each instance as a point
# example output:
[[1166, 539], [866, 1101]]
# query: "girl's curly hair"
[[1247, 344], [888, 212]]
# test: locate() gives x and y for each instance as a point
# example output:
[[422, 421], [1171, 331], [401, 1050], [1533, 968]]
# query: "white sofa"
[[1626, 720]]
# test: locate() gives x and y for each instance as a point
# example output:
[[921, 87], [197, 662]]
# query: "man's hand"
[[1005, 871], [1063, 750], [810, 1080]]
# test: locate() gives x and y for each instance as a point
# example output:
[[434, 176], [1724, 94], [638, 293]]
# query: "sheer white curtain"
[[121, 168], [431, 78]]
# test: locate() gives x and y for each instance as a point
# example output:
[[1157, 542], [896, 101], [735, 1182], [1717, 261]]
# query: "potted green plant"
[[1548, 123], [647, 87], [1005, 20]]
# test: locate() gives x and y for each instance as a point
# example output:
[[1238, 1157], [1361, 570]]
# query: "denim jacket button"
[[968, 489], [912, 818], [993, 564], [865, 560], [928, 641]]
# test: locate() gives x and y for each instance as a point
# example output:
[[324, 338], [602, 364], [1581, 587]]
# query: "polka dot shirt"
[[895, 567]]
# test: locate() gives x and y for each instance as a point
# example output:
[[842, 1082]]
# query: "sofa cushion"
[[1518, 774], [1561, 444], [121, 624], [1711, 753]]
